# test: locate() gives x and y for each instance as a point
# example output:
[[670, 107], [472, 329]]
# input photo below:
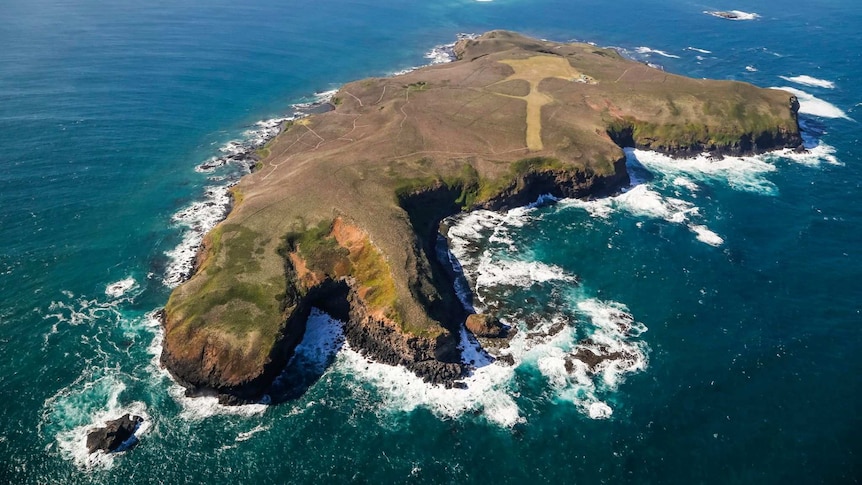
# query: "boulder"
[[110, 437], [485, 326]]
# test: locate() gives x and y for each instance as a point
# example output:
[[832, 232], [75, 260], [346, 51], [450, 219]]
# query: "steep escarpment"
[[743, 134], [343, 212]]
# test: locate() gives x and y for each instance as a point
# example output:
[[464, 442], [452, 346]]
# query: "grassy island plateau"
[[344, 208]]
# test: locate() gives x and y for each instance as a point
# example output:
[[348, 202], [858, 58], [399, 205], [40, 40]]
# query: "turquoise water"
[[741, 280]]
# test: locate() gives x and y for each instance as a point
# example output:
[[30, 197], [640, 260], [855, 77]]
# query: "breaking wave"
[[810, 81], [88, 403], [647, 51], [439, 54], [732, 14], [812, 105], [695, 49]]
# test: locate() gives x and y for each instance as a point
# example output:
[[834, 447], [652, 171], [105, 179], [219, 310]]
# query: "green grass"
[[318, 248], [417, 86], [231, 254], [372, 273], [472, 189], [322, 253], [739, 122]]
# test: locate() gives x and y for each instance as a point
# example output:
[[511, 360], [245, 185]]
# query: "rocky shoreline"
[[436, 361]]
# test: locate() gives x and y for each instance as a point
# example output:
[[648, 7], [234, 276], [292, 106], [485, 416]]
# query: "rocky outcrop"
[[693, 140], [559, 183], [434, 360], [482, 325], [115, 435], [204, 372]]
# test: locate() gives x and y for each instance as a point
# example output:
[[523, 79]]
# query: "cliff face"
[[754, 136], [344, 212]]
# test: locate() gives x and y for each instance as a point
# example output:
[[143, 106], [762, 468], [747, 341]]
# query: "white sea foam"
[[685, 183], [812, 156], [119, 288], [196, 220], [472, 353], [246, 435], [741, 173], [400, 390], [321, 342], [702, 51], [203, 407], [810, 81], [648, 51], [735, 14], [154, 325], [72, 310], [812, 105], [704, 234], [613, 334], [442, 54], [240, 152], [80, 311], [644, 200], [439, 54], [547, 344], [750, 68], [614, 331], [83, 406], [640, 201], [599, 410], [482, 224], [403, 391], [496, 272]]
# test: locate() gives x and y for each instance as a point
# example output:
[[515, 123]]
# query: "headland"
[[343, 211]]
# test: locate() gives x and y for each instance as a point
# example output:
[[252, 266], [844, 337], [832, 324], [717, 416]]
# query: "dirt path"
[[534, 70]]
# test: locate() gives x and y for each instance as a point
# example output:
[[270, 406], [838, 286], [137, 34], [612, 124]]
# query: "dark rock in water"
[[507, 359], [485, 326], [726, 15], [112, 436], [532, 320], [594, 356], [231, 400]]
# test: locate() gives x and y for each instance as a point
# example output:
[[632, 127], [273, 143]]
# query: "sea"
[[732, 287]]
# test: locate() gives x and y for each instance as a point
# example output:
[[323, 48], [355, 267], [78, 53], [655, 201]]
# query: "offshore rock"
[[114, 434], [485, 326]]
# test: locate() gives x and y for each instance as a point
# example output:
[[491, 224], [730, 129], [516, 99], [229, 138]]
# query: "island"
[[344, 208], [732, 14]]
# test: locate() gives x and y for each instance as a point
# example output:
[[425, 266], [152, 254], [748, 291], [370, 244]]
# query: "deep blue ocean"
[[739, 281]]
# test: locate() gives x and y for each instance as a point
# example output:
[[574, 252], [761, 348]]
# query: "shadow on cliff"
[[324, 312], [321, 343]]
